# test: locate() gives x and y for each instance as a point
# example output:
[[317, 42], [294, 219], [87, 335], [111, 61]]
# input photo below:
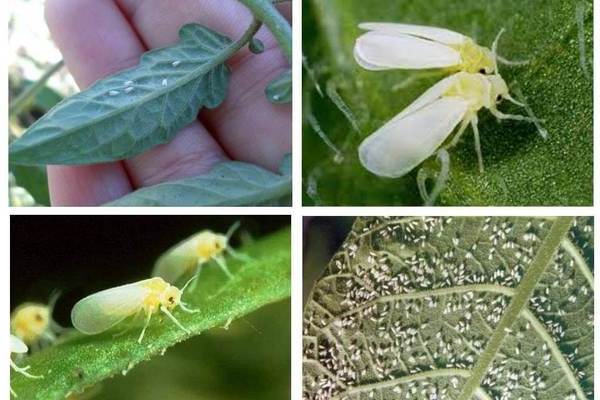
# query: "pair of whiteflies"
[[32, 323], [424, 126]]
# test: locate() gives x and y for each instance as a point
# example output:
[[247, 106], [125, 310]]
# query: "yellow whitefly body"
[[31, 323], [474, 58], [188, 256], [103, 310]]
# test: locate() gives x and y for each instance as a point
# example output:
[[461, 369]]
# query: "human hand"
[[98, 38]]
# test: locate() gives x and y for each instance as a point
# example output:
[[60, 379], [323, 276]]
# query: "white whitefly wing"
[[402, 144], [101, 311], [430, 95], [381, 50], [17, 345], [440, 35], [179, 260]]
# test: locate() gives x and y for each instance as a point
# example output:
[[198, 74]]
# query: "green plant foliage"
[[230, 183], [255, 350], [81, 361], [33, 179], [454, 308], [129, 112], [279, 90], [520, 167]]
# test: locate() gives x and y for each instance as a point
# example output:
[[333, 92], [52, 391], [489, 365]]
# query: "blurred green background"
[[37, 81], [79, 255]]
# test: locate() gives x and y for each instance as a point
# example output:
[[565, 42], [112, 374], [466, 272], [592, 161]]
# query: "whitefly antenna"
[[495, 49], [232, 229]]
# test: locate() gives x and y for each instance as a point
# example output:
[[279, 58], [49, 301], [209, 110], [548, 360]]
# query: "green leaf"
[[230, 183], [462, 308], [279, 90], [81, 361], [256, 46], [34, 180], [133, 110], [520, 167]]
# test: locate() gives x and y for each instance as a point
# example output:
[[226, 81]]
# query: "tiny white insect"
[[18, 347], [405, 46], [187, 257], [128, 83], [33, 323], [176, 63], [164, 82], [101, 311], [413, 135], [113, 92], [129, 89]]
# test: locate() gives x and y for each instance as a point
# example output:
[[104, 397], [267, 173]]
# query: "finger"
[[247, 126], [102, 46], [90, 185], [93, 184]]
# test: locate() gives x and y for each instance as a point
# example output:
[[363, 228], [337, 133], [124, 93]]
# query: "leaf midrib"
[[518, 302]]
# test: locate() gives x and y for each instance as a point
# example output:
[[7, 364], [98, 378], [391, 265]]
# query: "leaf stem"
[[19, 103], [242, 41], [277, 24]]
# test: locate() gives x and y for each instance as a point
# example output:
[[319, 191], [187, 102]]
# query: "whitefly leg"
[[194, 279], [461, 130], [185, 307], [172, 318], [148, 317], [422, 177], [474, 123], [512, 63], [441, 178], [221, 263], [237, 255], [501, 116], [23, 371]]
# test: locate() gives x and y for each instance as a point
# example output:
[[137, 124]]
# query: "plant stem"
[[242, 41], [277, 24], [19, 103]]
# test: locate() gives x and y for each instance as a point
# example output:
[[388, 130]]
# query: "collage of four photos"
[[285, 199]]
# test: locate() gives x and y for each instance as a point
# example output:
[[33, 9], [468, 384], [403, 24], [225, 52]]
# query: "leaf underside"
[[82, 361], [520, 167], [230, 183], [454, 308], [133, 110]]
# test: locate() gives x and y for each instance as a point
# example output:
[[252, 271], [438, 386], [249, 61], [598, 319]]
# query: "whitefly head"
[[170, 297], [499, 90]]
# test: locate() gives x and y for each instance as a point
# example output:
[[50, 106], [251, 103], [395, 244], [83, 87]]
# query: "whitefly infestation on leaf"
[[427, 308], [135, 109]]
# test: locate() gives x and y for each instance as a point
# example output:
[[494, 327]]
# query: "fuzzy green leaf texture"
[[133, 110], [230, 183], [346, 103], [81, 361], [454, 309]]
